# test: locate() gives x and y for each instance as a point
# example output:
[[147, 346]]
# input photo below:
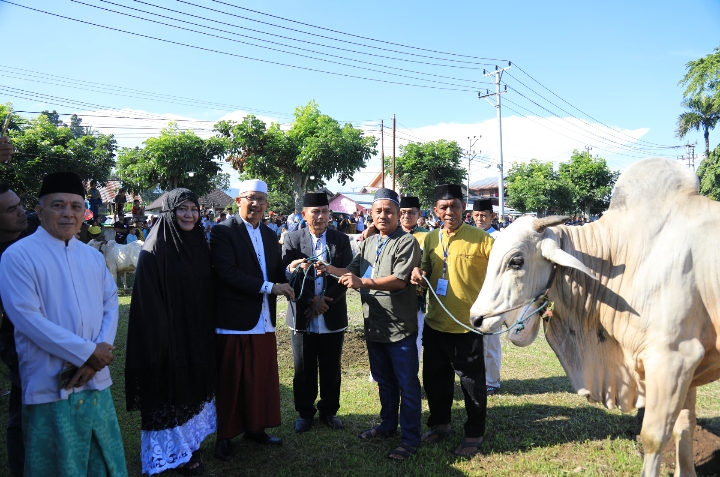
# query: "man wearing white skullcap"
[[250, 274]]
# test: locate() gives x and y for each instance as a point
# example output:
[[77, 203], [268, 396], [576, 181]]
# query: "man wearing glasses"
[[250, 274]]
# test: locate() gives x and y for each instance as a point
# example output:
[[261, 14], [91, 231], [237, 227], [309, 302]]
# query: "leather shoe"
[[223, 449], [263, 438], [303, 425], [332, 422]]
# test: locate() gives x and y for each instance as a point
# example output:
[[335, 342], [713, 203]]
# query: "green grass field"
[[537, 426]]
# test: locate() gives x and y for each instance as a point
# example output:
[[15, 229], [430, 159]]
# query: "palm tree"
[[702, 113]]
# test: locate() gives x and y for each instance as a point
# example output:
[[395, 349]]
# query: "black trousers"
[[313, 352], [447, 354], [15, 444]]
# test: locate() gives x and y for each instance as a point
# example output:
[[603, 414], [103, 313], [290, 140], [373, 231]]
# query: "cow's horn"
[[541, 224]]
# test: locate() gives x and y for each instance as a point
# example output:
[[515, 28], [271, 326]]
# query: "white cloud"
[[524, 138]]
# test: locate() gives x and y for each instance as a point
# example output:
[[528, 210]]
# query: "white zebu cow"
[[637, 311], [121, 258]]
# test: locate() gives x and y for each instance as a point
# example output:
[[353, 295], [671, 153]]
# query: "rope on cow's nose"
[[518, 326]]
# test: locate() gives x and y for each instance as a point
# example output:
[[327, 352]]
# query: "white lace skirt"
[[169, 448]]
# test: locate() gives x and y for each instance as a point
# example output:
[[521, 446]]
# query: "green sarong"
[[75, 437]]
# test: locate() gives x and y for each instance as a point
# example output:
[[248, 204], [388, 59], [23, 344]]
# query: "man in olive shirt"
[[381, 271], [455, 261]]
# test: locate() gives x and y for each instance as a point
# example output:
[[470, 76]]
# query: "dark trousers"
[[445, 355], [313, 352], [395, 368], [15, 444]]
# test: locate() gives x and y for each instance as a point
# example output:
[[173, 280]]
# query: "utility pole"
[[690, 157], [393, 161], [382, 152], [470, 157], [497, 76], [588, 149]]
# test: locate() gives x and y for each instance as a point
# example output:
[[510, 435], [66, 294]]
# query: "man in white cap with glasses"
[[250, 274]]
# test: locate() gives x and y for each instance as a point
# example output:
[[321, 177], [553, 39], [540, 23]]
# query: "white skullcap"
[[253, 185]]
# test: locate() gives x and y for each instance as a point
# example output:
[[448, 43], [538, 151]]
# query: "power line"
[[581, 111], [344, 33], [315, 70], [291, 38], [271, 48]]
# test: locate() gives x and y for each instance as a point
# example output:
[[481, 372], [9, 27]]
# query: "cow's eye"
[[516, 263]]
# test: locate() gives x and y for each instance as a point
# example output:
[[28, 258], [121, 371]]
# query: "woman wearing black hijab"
[[170, 366]]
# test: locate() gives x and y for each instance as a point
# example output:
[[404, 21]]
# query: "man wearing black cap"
[[483, 217], [381, 270], [455, 262], [318, 318], [64, 348], [409, 214]]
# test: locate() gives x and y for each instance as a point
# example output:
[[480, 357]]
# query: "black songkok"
[[63, 183], [313, 199], [448, 191], [483, 204], [386, 194], [409, 201]]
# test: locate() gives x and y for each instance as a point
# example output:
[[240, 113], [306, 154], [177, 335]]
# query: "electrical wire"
[[261, 46], [348, 34], [285, 37], [211, 50], [581, 111]]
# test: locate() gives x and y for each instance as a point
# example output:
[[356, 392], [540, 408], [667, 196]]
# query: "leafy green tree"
[[422, 166], [590, 180], [42, 146], [709, 174], [702, 78], [314, 149], [52, 117], [702, 113], [167, 162], [536, 187], [77, 128]]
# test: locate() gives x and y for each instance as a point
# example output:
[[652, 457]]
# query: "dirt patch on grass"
[[354, 349], [706, 446]]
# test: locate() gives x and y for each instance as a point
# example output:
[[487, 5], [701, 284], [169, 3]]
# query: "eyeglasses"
[[407, 212], [257, 200]]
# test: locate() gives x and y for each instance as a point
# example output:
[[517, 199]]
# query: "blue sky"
[[619, 62]]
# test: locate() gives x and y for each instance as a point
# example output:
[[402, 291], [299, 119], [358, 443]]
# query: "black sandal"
[[402, 452], [373, 432], [472, 444], [188, 469]]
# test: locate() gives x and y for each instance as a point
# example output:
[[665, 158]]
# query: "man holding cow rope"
[[454, 262]]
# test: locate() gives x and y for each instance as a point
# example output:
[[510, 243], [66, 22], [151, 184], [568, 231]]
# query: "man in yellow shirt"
[[455, 262]]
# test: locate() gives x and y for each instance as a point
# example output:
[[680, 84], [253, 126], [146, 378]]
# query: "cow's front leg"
[[683, 433], [668, 374]]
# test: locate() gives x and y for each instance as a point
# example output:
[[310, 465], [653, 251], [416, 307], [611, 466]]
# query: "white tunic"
[[62, 300]]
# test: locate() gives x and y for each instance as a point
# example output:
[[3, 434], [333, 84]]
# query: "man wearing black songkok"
[[318, 318]]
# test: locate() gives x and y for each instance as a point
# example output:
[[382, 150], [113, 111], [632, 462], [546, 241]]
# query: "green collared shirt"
[[389, 316]]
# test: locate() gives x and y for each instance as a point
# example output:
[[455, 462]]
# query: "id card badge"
[[368, 273], [442, 287]]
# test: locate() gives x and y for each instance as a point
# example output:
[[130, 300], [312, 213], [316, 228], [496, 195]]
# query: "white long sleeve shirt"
[[62, 300]]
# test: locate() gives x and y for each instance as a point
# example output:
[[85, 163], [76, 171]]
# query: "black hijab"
[[170, 365]]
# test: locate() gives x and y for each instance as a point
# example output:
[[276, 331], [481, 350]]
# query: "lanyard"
[[378, 248], [445, 253]]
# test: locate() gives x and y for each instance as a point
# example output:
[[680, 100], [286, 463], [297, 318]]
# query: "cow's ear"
[[552, 252], [539, 225]]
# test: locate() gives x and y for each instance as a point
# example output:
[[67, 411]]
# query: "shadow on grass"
[[524, 427], [552, 384]]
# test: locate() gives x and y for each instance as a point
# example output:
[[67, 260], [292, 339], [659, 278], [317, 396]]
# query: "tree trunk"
[[174, 183], [707, 142], [299, 184]]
